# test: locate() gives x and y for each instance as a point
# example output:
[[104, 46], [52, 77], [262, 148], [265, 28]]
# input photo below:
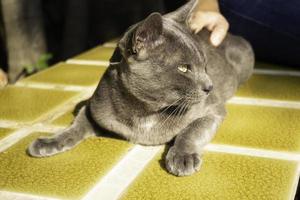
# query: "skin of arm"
[[206, 14]]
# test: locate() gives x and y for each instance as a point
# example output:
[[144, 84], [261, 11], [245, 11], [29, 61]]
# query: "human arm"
[[206, 14]]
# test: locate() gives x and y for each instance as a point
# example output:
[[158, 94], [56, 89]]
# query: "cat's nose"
[[208, 88]]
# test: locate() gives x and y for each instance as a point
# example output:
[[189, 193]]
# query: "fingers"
[[196, 23], [219, 32], [213, 21]]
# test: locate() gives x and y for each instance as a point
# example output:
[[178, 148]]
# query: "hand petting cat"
[[206, 14]]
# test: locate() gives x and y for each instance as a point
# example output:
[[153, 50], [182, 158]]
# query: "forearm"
[[200, 132], [207, 5]]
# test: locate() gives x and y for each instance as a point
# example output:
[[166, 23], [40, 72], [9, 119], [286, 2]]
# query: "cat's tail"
[[80, 129]]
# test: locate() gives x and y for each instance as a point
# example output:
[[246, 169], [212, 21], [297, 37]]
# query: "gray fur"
[[144, 98]]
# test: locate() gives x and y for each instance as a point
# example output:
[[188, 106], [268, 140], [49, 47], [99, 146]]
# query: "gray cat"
[[163, 83]]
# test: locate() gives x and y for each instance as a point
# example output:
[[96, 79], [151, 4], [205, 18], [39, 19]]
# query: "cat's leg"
[[184, 157], [80, 129]]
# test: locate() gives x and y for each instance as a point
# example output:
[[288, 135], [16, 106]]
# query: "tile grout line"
[[87, 62], [13, 138], [277, 72], [52, 86], [264, 102], [114, 183], [6, 195], [249, 151]]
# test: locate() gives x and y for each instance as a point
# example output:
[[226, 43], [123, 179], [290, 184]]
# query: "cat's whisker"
[[174, 112], [165, 109], [174, 120], [162, 124]]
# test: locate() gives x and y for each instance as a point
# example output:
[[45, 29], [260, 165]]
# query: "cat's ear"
[[182, 14], [147, 33]]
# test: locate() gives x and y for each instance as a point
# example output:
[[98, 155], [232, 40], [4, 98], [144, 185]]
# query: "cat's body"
[[164, 82]]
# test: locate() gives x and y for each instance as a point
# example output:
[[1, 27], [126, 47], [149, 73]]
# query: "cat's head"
[[161, 62]]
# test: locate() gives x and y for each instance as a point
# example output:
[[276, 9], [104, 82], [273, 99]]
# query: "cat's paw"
[[43, 147], [182, 164]]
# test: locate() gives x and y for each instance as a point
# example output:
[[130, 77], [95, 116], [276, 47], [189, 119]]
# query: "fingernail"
[[215, 40]]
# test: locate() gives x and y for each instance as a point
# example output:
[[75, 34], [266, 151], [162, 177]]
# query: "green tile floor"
[[34, 104], [68, 74]]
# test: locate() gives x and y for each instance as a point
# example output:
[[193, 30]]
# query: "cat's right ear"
[[147, 34]]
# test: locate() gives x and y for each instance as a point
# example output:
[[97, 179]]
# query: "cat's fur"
[[144, 97]]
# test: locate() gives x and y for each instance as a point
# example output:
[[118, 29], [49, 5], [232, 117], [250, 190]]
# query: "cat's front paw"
[[182, 164], [43, 147]]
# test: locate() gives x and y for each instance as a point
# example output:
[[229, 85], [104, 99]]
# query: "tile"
[[261, 127], [25, 105], [5, 132], [64, 120], [68, 175], [271, 87], [68, 74], [98, 53], [222, 177]]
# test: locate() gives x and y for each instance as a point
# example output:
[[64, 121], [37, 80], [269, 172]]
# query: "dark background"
[[72, 26]]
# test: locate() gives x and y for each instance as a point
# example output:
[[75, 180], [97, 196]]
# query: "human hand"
[[213, 21]]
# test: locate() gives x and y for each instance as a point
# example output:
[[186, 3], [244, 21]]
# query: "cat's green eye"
[[183, 68]]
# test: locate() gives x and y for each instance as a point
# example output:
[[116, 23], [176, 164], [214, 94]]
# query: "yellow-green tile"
[[271, 87], [64, 120], [24, 104], [68, 175], [222, 177], [5, 132], [96, 54], [261, 127], [69, 74]]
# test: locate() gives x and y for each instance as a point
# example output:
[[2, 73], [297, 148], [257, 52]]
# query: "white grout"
[[5, 195], [87, 62], [11, 124], [265, 102], [51, 86], [123, 173], [13, 138], [248, 151], [277, 72]]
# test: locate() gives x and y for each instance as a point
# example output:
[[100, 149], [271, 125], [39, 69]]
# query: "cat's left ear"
[[147, 33]]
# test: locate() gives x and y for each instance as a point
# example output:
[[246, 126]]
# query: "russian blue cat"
[[163, 83]]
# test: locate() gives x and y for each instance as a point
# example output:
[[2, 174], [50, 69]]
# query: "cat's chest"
[[157, 129]]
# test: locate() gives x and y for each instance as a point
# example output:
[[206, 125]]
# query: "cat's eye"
[[184, 68]]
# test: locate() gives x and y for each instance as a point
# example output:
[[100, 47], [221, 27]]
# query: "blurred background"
[[38, 33]]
